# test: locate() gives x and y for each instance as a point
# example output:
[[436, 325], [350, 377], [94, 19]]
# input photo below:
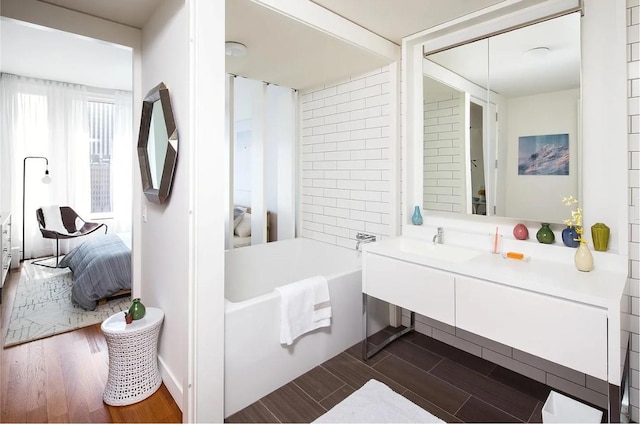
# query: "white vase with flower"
[[583, 258]]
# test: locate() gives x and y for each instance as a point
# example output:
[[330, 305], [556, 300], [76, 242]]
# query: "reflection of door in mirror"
[[476, 135], [157, 147], [530, 80]]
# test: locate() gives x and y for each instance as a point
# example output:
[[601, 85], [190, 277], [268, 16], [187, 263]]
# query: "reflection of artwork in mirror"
[[522, 82], [543, 155], [157, 144]]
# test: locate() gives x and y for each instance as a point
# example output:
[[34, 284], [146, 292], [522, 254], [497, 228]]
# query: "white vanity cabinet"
[[414, 287], [543, 307], [565, 332]]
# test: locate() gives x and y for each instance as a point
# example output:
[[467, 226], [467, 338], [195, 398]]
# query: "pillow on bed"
[[238, 213], [243, 229]]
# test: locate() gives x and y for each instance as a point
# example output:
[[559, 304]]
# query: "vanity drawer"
[[568, 333], [420, 289]]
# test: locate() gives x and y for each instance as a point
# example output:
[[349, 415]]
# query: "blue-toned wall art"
[[543, 154]]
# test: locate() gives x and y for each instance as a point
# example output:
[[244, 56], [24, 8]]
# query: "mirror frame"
[[493, 22], [157, 195]]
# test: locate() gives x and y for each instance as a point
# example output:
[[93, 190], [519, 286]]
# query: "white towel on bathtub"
[[304, 306]]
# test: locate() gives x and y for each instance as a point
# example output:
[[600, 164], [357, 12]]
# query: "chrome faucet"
[[437, 239], [364, 238]]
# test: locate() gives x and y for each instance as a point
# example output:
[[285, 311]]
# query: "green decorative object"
[[137, 309], [600, 236], [545, 235]]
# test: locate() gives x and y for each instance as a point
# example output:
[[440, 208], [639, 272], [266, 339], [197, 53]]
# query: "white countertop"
[[602, 287]]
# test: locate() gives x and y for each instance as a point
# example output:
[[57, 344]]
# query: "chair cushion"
[[53, 219]]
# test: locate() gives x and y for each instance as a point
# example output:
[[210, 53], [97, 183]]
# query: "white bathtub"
[[255, 361]]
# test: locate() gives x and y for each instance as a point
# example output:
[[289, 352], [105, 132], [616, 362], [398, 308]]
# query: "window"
[[101, 146]]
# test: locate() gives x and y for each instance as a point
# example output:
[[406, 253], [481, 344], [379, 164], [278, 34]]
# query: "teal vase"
[[545, 235], [137, 309], [417, 217]]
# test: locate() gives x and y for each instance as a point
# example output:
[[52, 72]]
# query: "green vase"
[[137, 309], [600, 236], [545, 235]]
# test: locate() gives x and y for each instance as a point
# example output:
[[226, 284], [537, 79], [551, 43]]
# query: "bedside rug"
[[42, 306], [376, 403]]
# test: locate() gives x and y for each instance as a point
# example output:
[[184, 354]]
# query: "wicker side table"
[[133, 357]]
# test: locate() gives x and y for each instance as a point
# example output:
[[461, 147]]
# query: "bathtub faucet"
[[364, 238]]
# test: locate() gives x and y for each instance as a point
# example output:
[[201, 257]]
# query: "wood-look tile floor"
[[451, 384]]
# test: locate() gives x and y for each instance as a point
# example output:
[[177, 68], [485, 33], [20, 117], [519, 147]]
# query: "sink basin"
[[426, 249]]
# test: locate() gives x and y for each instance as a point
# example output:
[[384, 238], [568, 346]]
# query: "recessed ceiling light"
[[235, 49], [537, 52]]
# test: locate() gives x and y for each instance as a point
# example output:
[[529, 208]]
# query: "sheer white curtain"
[[121, 163], [48, 119]]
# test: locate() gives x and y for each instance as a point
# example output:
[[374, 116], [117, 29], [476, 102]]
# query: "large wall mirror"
[[501, 123], [157, 144]]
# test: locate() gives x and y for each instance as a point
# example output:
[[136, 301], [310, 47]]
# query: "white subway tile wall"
[[444, 147], [633, 71], [345, 169]]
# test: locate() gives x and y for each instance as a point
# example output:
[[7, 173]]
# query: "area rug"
[[42, 306], [376, 403]]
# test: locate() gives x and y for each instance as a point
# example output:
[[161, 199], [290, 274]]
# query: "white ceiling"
[[134, 13], [395, 19], [45, 53], [282, 50], [288, 53]]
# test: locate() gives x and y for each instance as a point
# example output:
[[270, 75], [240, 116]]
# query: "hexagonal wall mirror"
[[157, 144]]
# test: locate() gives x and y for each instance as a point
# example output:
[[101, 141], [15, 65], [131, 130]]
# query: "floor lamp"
[[46, 180]]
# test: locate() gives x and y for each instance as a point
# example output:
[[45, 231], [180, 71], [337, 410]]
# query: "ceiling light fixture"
[[537, 52], [235, 49]]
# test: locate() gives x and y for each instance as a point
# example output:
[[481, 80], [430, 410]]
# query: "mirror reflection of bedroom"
[[261, 119], [66, 158]]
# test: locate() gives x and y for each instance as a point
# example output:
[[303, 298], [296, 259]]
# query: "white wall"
[[164, 238], [548, 113], [182, 241], [346, 172]]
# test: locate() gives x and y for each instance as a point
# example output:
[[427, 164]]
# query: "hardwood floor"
[[62, 378], [451, 384]]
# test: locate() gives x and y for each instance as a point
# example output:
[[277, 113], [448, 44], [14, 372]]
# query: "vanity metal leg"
[[616, 393], [366, 353]]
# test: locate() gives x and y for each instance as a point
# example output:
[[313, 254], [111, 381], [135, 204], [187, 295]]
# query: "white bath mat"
[[376, 403]]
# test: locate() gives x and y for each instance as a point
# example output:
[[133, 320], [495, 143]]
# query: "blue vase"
[[570, 237], [417, 217]]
